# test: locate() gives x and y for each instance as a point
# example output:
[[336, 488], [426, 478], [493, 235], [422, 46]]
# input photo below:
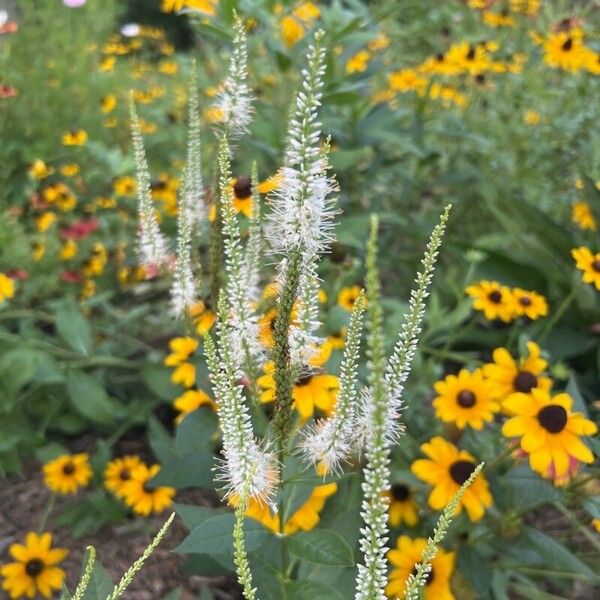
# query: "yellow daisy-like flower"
[[403, 507], [348, 296], [7, 287], [493, 299], [529, 304], [39, 169], [307, 12], [508, 376], [67, 473], [494, 19], [190, 401], [185, 375], [108, 103], [75, 137], [565, 50], [358, 63], [291, 31], [68, 250], [142, 499], [70, 169], [35, 568], [466, 399], [406, 80], [549, 432], [583, 217], [118, 473], [531, 117], [310, 392], [407, 554], [202, 317], [181, 349], [38, 249], [45, 221], [447, 469], [337, 339], [124, 186], [588, 263]]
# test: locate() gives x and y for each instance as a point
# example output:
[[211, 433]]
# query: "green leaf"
[[311, 590], [195, 432], [521, 488], [17, 368], [158, 380], [90, 399], [100, 586], [193, 515], [74, 329], [192, 470], [321, 547], [215, 536]]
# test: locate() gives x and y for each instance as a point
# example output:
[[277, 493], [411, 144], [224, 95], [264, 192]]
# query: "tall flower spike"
[[241, 319], [371, 576], [152, 246], [235, 100], [245, 463], [254, 248], [329, 442], [302, 212]]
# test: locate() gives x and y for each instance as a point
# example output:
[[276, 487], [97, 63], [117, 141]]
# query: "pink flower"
[[71, 277], [79, 229]]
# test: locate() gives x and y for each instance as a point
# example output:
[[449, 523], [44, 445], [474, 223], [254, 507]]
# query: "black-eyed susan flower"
[[142, 499], [202, 317], [38, 250], [583, 217], [465, 399], [358, 62], [337, 339], [7, 287], [266, 327], [69, 169], [184, 374], [498, 19], [124, 186], [75, 137], [311, 392], [348, 296], [447, 469], [190, 401], [565, 50], [181, 349], [589, 263], [108, 103], [45, 221], [529, 304], [531, 117], [68, 250], [406, 555], [292, 31], [67, 473], [35, 567], [509, 376], [548, 430], [118, 473], [493, 299], [403, 507], [38, 169], [406, 80]]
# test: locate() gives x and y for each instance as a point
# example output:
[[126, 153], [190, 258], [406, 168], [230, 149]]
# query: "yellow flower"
[[447, 469], [358, 63], [124, 186], [118, 473], [45, 221], [67, 473], [347, 297], [105, 203], [310, 392], [509, 377], [291, 31], [38, 250], [184, 374], [494, 19], [466, 399], [7, 287], [108, 103], [69, 170], [190, 401], [181, 349], [583, 217], [68, 250], [549, 432], [337, 339], [88, 289], [266, 327], [447, 94], [39, 169], [406, 80], [495, 300], [213, 115], [75, 137], [107, 63], [168, 67], [531, 117], [588, 263], [406, 555], [34, 569], [381, 42], [143, 499], [565, 50], [95, 264], [307, 12], [110, 122], [202, 317], [147, 127], [529, 304], [403, 507]]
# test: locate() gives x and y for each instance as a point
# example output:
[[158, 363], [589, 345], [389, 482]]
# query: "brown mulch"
[[23, 499]]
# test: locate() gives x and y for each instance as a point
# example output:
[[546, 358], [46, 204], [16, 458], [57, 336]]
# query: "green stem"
[[558, 315], [593, 539], [46, 513]]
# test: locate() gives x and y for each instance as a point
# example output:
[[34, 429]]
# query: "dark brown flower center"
[[525, 382], [34, 567], [429, 578], [553, 418], [480, 79], [69, 468], [125, 475], [471, 53], [400, 492], [525, 301], [596, 265], [243, 187], [461, 470], [495, 297], [466, 398], [439, 57], [304, 380], [568, 45]]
